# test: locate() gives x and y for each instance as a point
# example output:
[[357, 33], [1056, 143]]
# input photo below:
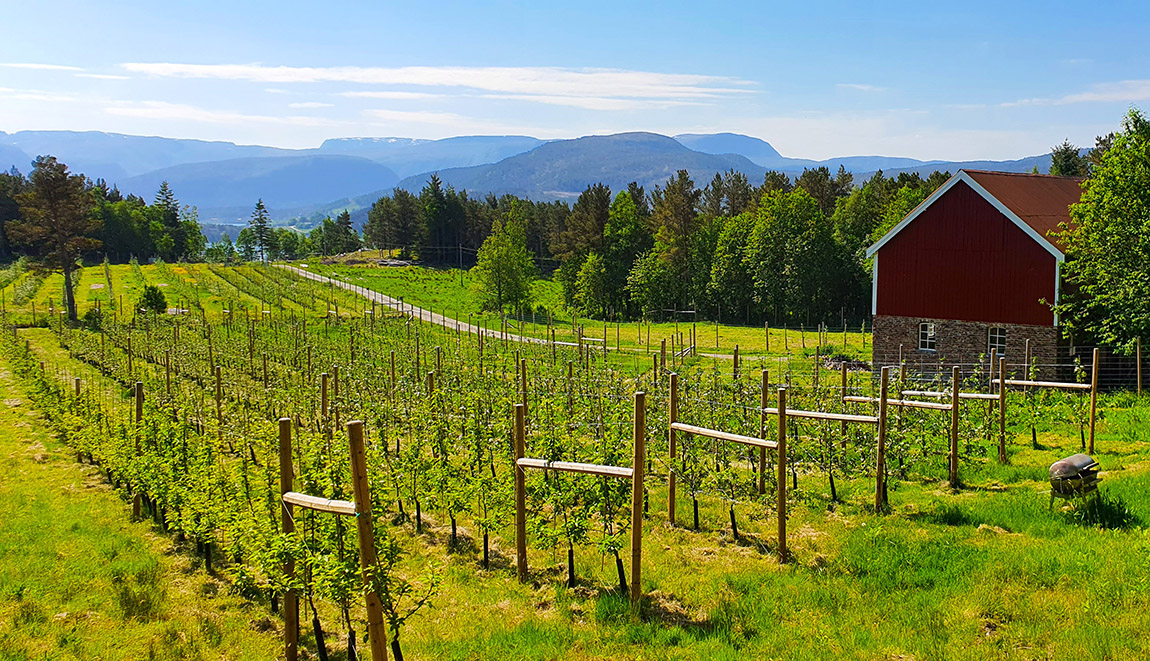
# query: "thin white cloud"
[[1122, 91], [541, 81], [275, 90], [174, 111], [860, 87], [595, 102], [393, 95], [34, 95], [310, 104], [102, 76], [38, 66], [417, 117]]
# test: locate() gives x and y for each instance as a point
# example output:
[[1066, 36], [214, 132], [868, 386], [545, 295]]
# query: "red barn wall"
[[963, 259]]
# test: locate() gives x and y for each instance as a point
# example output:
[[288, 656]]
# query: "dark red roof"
[[1041, 201]]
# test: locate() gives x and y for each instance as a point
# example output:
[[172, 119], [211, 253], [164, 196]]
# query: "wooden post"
[[880, 500], [376, 630], [393, 373], [781, 466], [767, 334], [1001, 410], [663, 355], [523, 383], [735, 372], [570, 380], [763, 397], [1138, 357], [637, 499], [291, 597], [139, 394], [219, 401], [1093, 396], [520, 498], [673, 442], [818, 356], [956, 375], [168, 371], [323, 378], [77, 384]]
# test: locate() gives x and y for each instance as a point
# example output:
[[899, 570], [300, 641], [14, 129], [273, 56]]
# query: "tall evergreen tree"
[[261, 229], [56, 225], [1065, 161]]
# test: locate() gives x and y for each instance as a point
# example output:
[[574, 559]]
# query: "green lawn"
[[78, 580], [451, 292]]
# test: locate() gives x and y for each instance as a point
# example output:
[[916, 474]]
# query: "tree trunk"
[[622, 574], [69, 295], [734, 526], [570, 566], [395, 651]]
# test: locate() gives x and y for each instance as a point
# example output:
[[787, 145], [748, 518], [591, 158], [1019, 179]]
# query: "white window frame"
[[990, 340], [927, 336]]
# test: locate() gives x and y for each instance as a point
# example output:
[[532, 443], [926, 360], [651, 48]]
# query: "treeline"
[[786, 251]]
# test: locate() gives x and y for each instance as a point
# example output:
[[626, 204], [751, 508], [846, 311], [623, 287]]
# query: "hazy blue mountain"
[[226, 190], [757, 150], [564, 168], [762, 153], [1042, 162], [114, 156], [11, 157], [408, 156]]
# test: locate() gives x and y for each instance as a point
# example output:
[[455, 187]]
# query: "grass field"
[[79, 581], [451, 292], [986, 571]]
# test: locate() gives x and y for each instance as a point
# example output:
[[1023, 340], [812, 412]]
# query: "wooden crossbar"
[[826, 415], [574, 467], [908, 403], [1045, 384], [343, 507], [724, 436], [961, 395]]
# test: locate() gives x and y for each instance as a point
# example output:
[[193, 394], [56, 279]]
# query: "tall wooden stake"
[[1001, 410], [781, 466], [763, 401], [376, 631], [291, 597], [1093, 397], [880, 499], [954, 403], [520, 499], [637, 499], [673, 443]]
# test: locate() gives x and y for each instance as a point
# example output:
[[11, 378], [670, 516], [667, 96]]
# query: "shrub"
[[153, 299]]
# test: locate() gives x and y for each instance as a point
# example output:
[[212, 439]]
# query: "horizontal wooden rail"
[[961, 395], [724, 436], [573, 467], [343, 507], [907, 403], [1046, 384], [826, 415]]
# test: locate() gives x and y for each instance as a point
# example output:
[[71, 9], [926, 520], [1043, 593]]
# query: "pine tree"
[[261, 230]]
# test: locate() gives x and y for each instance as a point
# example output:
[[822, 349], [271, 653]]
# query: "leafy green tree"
[[221, 251], [649, 284], [260, 226], [152, 299], [676, 218], [1065, 161], [504, 269], [12, 184], [591, 288], [732, 285], [581, 235], [625, 238], [56, 222], [345, 238], [1107, 297], [247, 247]]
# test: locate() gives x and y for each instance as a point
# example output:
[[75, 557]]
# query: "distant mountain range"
[[224, 179]]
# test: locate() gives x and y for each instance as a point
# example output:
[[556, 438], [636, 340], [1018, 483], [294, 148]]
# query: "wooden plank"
[[908, 403], [826, 415], [291, 597], [1046, 384], [723, 436], [943, 393], [575, 467], [365, 529], [305, 501]]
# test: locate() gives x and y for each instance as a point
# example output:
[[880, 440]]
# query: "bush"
[[153, 299]]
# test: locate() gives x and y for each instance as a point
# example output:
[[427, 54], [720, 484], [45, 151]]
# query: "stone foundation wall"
[[962, 342]]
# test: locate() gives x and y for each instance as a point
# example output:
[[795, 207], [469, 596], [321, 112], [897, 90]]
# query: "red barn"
[[974, 267]]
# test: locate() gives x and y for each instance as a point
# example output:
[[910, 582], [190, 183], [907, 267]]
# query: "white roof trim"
[[969, 181]]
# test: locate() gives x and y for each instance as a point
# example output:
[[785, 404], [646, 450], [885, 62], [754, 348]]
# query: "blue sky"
[[959, 80]]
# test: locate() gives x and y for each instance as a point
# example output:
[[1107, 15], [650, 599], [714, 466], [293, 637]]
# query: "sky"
[[929, 80]]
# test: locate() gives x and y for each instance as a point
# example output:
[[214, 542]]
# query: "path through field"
[[446, 322]]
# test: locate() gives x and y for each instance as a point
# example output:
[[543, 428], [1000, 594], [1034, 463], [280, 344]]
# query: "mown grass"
[[451, 292], [79, 581]]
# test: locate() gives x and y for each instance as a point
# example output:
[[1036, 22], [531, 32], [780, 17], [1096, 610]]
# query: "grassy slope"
[[441, 290], [78, 581]]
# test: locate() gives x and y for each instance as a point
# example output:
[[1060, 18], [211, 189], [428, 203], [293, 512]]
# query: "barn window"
[[996, 340], [926, 336]]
